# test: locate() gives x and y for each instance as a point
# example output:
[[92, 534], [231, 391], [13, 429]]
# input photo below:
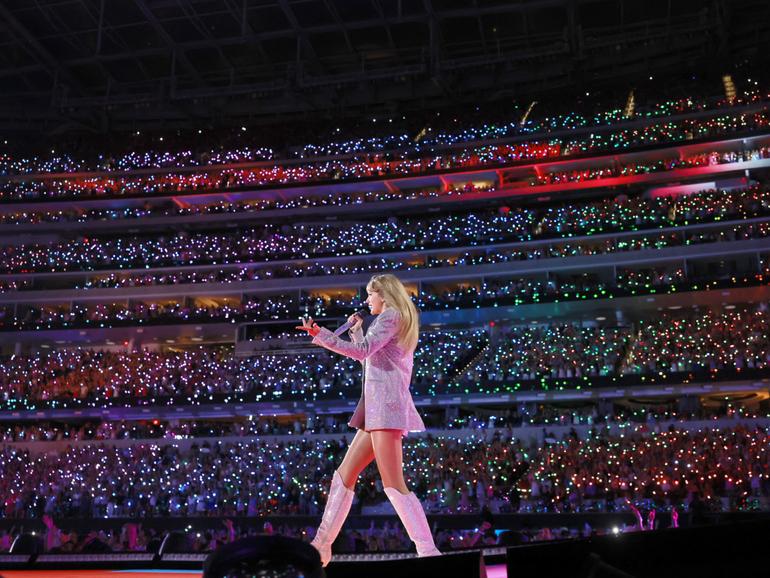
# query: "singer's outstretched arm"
[[379, 334]]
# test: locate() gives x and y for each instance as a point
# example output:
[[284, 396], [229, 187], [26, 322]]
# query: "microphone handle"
[[348, 324], [342, 328]]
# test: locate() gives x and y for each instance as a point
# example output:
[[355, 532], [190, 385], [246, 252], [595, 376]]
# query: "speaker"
[[465, 565], [264, 555], [736, 549]]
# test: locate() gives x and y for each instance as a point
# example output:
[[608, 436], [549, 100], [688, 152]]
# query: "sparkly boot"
[[336, 510], [409, 509]]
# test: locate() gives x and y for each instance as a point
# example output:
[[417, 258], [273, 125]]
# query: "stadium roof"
[[99, 64]]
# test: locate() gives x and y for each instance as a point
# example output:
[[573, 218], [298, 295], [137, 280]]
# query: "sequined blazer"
[[386, 402]]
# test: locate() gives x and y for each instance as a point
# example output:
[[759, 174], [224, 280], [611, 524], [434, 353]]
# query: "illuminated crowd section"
[[674, 346], [593, 287]]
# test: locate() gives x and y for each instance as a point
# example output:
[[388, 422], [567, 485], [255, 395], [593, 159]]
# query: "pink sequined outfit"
[[386, 402]]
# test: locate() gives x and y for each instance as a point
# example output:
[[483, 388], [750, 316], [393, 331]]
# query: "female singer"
[[384, 413]]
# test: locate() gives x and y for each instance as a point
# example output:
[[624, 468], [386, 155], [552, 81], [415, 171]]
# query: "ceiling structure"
[[98, 65]]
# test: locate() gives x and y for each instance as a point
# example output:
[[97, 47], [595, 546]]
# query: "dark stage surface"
[[493, 571]]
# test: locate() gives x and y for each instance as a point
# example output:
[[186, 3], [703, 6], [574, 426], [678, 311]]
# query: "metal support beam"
[[480, 24], [574, 35], [101, 27], [49, 63], [385, 23], [433, 38], [723, 13], [107, 32], [195, 20], [246, 30], [177, 51], [301, 35], [263, 83], [341, 24]]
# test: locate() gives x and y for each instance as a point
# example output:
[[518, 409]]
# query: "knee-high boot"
[[409, 509], [336, 510]]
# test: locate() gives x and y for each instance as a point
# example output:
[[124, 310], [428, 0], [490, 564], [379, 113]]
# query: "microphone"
[[348, 324]]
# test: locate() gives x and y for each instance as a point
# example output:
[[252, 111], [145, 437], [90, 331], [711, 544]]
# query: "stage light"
[[523, 120], [421, 134], [727, 81], [630, 109]]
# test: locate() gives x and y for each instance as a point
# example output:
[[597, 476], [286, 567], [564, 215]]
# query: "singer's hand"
[[357, 321], [309, 325]]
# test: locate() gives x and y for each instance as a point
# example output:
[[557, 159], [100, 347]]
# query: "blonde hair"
[[394, 294]]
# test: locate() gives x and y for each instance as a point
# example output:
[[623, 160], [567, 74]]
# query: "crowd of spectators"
[[706, 343], [146, 537], [523, 290], [730, 341], [239, 145], [655, 417], [195, 375], [728, 468], [377, 165], [538, 353], [176, 183], [734, 339], [381, 166], [648, 466], [156, 429], [489, 292], [171, 209], [725, 468], [604, 217], [286, 307], [386, 537], [309, 240], [273, 307], [625, 170]]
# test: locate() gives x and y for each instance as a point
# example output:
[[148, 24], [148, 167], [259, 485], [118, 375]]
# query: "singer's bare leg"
[[359, 455], [390, 458], [390, 461]]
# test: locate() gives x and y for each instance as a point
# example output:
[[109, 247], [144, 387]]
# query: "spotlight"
[[628, 112], [727, 81], [524, 118]]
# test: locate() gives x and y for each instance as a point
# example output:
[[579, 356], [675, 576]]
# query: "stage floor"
[[493, 571], [100, 574]]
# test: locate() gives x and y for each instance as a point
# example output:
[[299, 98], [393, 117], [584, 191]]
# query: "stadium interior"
[[576, 194]]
